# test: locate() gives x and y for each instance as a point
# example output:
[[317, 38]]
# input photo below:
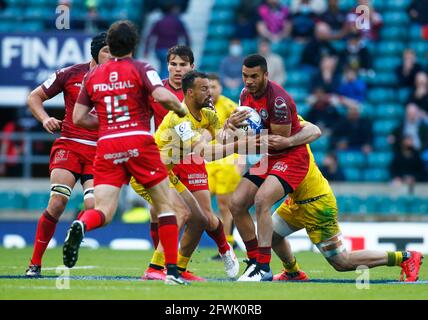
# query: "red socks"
[[252, 248], [264, 255], [220, 238], [44, 233], [92, 219], [168, 235], [154, 234]]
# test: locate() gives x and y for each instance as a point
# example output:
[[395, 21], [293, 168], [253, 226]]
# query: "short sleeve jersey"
[[69, 81], [179, 134], [275, 106], [159, 112], [119, 90]]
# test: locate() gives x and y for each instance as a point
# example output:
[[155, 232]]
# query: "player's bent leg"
[[242, 200], [168, 230], [62, 183], [223, 201], [342, 260], [216, 232], [89, 194], [269, 192], [106, 200]]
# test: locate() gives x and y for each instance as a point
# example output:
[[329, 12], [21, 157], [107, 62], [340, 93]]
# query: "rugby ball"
[[254, 122]]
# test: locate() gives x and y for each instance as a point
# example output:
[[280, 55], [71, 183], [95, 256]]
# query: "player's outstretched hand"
[[52, 124], [237, 118]]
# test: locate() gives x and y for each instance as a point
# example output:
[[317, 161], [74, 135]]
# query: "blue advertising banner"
[[28, 59]]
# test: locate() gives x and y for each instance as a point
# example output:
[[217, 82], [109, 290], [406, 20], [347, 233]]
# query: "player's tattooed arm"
[[35, 103], [308, 134]]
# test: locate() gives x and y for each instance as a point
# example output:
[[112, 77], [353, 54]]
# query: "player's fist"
[[52, 124], [181, 112]]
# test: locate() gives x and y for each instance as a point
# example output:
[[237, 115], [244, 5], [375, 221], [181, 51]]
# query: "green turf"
[[132, 263]]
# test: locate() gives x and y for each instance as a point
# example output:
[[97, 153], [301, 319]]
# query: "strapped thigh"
[[332, 247], [280, 226]]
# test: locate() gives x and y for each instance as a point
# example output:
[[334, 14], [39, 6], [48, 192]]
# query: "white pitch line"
[[74, 268]]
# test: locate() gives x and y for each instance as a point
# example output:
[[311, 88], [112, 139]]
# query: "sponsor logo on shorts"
[[280, 166], [197, 179], [120, 157], [61, 155]]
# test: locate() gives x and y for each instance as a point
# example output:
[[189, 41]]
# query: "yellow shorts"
[[222, 178], [174, 182], [319, 217]]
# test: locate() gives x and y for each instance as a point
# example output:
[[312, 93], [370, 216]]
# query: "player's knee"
[[57, 205], [261, 202], [238, 206]]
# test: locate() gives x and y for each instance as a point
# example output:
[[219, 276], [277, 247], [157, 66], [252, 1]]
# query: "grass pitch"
[[109, 274]]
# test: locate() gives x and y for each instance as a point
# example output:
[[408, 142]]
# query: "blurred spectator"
[[353, 133], [10, 150], [407, 166], [274, 23], [275, 64], [3, 5], [376, 22], [335, 18], [94, 21], [166, 33], [150, 5], [316, 6], [419, 96], [318, 47], [418, 11], [323, 110], [304, 15], [246, 14], [231, 66], [356, 55], [328, 76], [351, 86], [406, 72], [410, 127], [330, 168]]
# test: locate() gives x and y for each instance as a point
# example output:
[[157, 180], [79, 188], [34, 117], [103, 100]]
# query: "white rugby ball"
[[254, 122]]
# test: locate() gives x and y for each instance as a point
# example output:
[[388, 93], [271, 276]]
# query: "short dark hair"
[[255, 60], [213, 76], [184, 52], [122, 37], [188, 80]]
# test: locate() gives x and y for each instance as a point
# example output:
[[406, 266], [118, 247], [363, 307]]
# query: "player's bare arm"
[[308, 134], [35, 103], [83, 118], [169, 101]]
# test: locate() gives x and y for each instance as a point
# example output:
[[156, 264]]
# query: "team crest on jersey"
[[61, 155], [264, 114], [281, 109], [280, 103]]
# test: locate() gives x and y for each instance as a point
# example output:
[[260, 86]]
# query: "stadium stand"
[[384, 105]]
